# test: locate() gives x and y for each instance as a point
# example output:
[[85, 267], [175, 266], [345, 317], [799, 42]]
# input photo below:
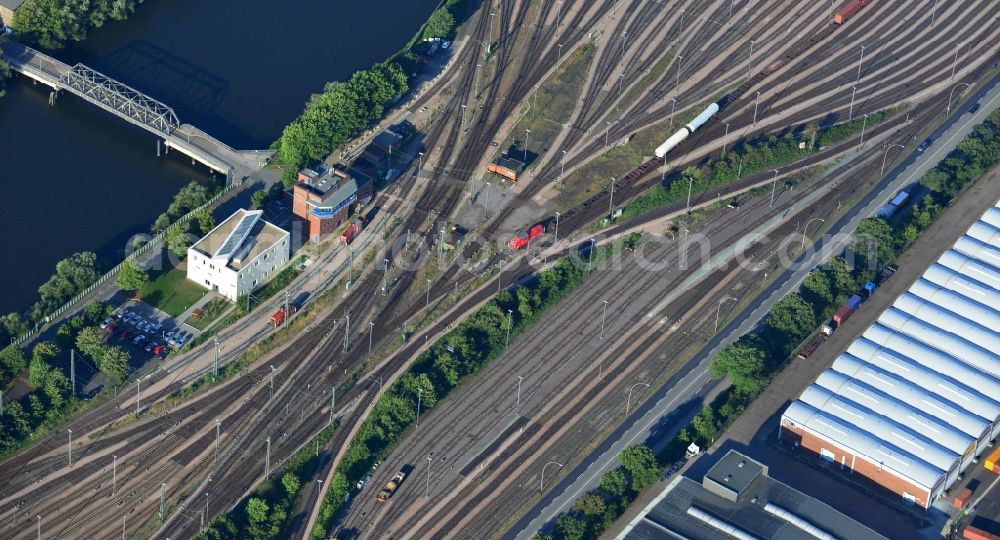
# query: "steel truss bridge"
[[132, 106]]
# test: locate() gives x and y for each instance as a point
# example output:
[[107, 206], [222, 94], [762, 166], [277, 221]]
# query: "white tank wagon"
[[687, 130]]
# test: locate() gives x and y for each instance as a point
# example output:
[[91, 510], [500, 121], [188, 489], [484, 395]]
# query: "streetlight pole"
[[333, 402], [272, 385], [628, 402], [611, 201], [952, 95], [510, 322], [604, 315], [420, 162], [486, 189], [114, 474], [774, 185], [606, 133], [427, 300], [137, 396], [724, 137], [557, 227], [861, 59], [885, 155], [590, 255], [821, 220], [718, 308], [371, 333], [541, 483], [934, 14], [562, 167], [527, 135], [560, 45], [428, 489], [385, 275], [863, 124], [517, 408], [690, 186], [347, 330], [850, 112], [749, 57], [218, 436], [954, 64], [678, 82], [755, 104], [420, 391]]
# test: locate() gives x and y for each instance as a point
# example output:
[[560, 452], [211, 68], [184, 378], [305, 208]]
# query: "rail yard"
[[159, 461]]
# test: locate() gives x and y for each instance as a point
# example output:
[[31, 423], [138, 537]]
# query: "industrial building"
[[239, 255], [916, 398], [326, 198], [737, 498]]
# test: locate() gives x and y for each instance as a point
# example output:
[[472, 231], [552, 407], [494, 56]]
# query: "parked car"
[[150, 346], [126, 333], [156, 328], [149, 326], [128, 316], [169, 336], [138, 339], [445, 44], [923, 146], [973, 108], [137, 322], [107, 322], [158, 350], [181, 341], [111, 328]]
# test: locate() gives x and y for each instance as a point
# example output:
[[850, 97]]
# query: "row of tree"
[[750, 157], [464, 351], [593, 513], [52, 23], [265, 514], [73, 274], [339, 113], [51, 397]]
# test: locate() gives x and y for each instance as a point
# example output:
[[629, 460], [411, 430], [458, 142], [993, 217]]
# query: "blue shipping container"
[[853, 302]]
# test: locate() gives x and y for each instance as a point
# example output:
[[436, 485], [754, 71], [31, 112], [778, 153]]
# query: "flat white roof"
[[921, 386]]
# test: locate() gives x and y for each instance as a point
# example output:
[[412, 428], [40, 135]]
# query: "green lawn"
[[210, 312], [171, 292]]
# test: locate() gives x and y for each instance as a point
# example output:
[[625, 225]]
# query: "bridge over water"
[[134, 107]]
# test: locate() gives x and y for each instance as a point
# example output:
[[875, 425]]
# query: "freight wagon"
[[507, 168], [849, 10]]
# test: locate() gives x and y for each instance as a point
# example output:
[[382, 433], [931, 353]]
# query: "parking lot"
[[146, 332]]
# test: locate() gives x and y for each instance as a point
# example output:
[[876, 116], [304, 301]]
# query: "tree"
[[257, 510], [205, 220], [90, 341], [613, 483], [440, 24], [161, 223], [4, 75], [874, 236], [131, 276], [844, 282], [259, 198], [704, 424], [792, 316], [743, 362], [46, 350], [177, 241], [641, 464], [38, 372], [817, 290], [291, 483], [590, 505], [570, 527], [114, 362], [13, 361]]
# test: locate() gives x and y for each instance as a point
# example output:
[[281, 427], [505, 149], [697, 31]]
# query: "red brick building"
[[326, 199]]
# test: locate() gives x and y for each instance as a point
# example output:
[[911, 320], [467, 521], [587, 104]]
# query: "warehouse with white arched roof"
[[915, 399]]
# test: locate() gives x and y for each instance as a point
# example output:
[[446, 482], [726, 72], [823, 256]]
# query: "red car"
[[158, 350], [524, 238], [110, 329]]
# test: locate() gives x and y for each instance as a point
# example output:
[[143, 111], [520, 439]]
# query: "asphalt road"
[[693, 381]]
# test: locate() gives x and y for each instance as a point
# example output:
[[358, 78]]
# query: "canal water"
[[75, 178]]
